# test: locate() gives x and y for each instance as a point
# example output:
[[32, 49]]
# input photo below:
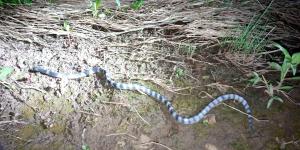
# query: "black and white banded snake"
[[158, 97]]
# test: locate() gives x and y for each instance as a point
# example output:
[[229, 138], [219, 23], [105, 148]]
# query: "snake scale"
[[158, 97]]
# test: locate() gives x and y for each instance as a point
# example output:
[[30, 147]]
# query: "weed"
[[188, 49], [15, 2], [205, 122], [239, 144], [118, 3], [85, 147], [96, 4], [5, 72], [137, 4], [66, 26], [179, 73], [253, 37], [51, 1], [290, 62]]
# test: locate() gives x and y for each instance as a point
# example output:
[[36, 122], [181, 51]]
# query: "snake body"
[[158, 97]]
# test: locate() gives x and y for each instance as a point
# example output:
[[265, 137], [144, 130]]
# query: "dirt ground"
[[172, 47]]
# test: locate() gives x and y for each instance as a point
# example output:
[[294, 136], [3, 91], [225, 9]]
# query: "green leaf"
[[255, 79], [278, 99], [97, 3], [118, 3], [270, 90], [66, 25], [275, 66], [286, 87], [284, 70], [85, 147], [5, 72], [179, 72], [270, 101], [285, 52], [296, 58], [294, 69], [137, 4], [295, 78], [205, 122]]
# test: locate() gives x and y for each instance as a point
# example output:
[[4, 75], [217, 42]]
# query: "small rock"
[[144, 139], [210, 119], [47, 97], [57, 93], [121, 143], [210, 147]]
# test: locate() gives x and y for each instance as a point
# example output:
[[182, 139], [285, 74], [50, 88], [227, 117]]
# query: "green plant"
[[96, 4], [179, 72], [85, 147], [15, 2], [290, 62], [253, 36], [270, 91], [137, 4], [5, 72], [188, 49], [205, 122], [118, 3], [66, 26], [255, 79]]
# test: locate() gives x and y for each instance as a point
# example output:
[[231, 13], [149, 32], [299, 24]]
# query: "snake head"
[[97, 69], [37, 69]]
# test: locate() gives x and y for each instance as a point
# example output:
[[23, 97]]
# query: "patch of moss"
[[181, 82], [240, 144], [201, 130], [57, 144], [233, 117], [29, 131], [131, 96], [27, 113], [62, 105], [188, 105], [271, 144], [151, 86], [123, 127], [148, 109], [57, 128]]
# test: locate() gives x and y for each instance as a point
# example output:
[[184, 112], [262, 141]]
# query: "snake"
[[158, 97]]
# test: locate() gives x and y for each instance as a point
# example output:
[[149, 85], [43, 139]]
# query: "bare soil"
[[149, 46]]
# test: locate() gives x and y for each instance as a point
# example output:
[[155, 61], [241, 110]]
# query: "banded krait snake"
[[158, 97]]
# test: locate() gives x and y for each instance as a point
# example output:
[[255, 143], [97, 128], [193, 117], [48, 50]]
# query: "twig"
[[21, 22], [201, 62], [289, 98], [258, 120], [117, 134], [260, 4], [141, 116], [116, 103], [128, 106], [88, 113], [16, 96], [83, 136], [169, 89], [128, 31], [29, 87], [12, 121], [156, 143], [6, 84], [222, 86]]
